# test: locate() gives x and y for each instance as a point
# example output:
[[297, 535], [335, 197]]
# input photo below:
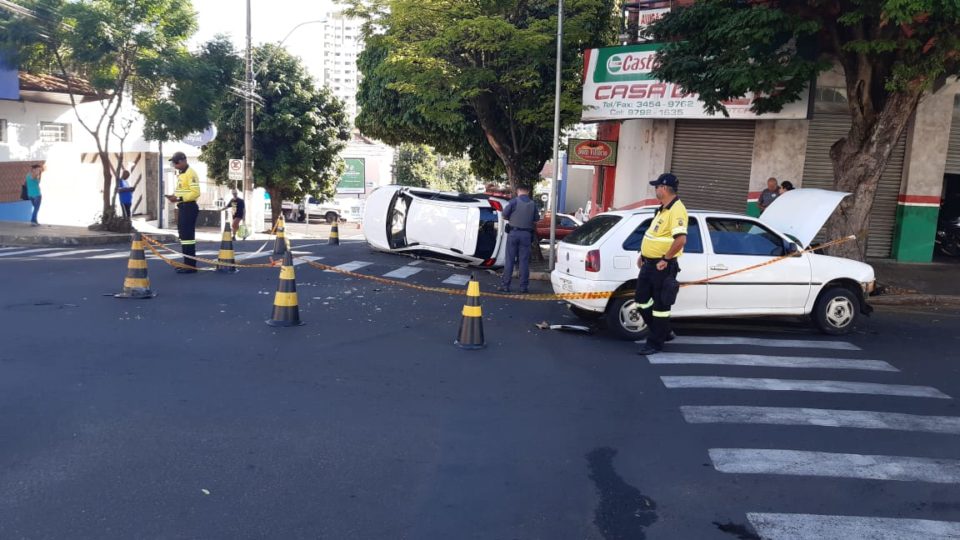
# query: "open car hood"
[[801, 213]]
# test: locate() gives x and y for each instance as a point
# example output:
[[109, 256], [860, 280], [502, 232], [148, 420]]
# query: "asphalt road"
[[186, 416]]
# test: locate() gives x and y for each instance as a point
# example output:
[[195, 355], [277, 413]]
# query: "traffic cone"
[[226, 260], [280, 245], [136, 284], [471, 325], [285, 309], [334, 235]]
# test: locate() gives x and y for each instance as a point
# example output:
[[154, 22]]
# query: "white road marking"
[[300, 260], [797, 416], [352, 266], [114, 255], [255, 255], [9, 248], [73, 252], [28, 251], [403, 272], [865, 467], [415, 263], [804, 526], [832, 387], [758, 342], [769, 361], [457, 279]]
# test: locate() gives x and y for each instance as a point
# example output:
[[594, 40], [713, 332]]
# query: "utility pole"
[[248, 124], [554, 182]]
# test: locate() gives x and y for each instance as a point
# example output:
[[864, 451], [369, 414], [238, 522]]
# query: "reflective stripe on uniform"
[[661, 314], [188, 242], [646, 305], [665, 239]]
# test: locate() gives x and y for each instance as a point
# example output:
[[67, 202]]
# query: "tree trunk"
[[276, 204], [859, 160]]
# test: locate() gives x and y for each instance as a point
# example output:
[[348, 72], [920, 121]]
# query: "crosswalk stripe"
[[403, 272], [821, 527], [760, 342], [769, 361], [255, 255], [827, 464], [833, 387], [351, 266], [799, 416], [300, 260], [114, 255], [9, 248], [28, 251], [68, 253], [457, 279]]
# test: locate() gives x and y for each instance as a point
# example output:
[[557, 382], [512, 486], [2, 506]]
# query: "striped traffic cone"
[[136, 284], [471, 325], [280, 245], [285, 309], [334, 235], [226, 260]]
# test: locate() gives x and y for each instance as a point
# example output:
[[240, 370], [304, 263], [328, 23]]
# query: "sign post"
[[235, 170]]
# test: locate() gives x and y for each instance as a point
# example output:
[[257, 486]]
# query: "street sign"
[[591, 152], [235, 170], [353, 177]]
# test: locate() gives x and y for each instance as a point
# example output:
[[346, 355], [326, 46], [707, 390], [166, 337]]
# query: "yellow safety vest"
[[188, 186], [669, 222]]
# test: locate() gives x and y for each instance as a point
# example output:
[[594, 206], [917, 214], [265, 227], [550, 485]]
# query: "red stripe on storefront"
[[753, 196], [586, 62], [919, 199], [640, 204]]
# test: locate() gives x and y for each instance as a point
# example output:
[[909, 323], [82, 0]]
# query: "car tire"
[[623, 319], [836, 311], [331, 217], [586, 314]]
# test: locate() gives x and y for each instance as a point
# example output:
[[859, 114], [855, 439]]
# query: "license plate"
[[566, 285]]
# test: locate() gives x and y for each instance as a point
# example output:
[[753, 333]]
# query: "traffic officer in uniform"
[[657, 285], [186, 195], [521, 213]]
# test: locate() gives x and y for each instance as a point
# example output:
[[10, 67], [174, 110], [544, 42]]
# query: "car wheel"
[[624, 320], [301, 216], [331, 218], [585, 314], [836, 311]]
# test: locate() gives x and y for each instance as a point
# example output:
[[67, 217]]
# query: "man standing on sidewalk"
[[657, 285], [33, 191], [125, 192], [769, 195], [186, 195], [521, 213], [237, 208]]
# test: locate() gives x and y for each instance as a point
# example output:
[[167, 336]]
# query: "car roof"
[[650, 209]]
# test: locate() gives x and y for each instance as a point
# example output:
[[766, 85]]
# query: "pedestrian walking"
[[237, 209], [579, 215], [769, 195], [33, 191], [786, 186], [125, 192], [521, 213], [186, 195], [662, 245]]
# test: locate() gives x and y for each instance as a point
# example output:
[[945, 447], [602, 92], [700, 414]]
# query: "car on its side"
[[566, 224], [602, 255], [452, 227]]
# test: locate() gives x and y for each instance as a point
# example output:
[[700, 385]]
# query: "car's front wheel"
[[836, 311], [623, 318]]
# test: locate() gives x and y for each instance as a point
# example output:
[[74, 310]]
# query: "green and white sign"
[[620, 85], [353, 178]]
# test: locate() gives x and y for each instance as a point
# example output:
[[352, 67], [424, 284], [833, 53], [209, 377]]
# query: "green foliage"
[[299, 131], [475, 77], [418, 165]]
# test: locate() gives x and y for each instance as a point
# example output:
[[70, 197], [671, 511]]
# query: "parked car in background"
[[602, 254], [566, 224], [336, 210], [454, 227]]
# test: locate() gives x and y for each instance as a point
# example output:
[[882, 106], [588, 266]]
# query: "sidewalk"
[[16, 233], [916, 283]]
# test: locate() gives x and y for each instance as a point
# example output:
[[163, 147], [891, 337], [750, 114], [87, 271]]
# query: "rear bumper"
[[565, 283]]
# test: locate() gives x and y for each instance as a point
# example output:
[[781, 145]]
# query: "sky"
[[272, 20]]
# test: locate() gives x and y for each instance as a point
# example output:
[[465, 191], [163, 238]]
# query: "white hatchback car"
[[463, 228], [602, 256]]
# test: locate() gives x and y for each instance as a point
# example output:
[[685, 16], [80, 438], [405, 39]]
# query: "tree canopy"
[[890, 51], [475, 77], [299, 131], [418, 165]]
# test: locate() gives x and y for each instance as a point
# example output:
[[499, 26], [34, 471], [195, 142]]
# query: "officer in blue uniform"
[[521, 214]]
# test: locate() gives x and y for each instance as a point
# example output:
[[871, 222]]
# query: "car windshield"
[[592, 231]]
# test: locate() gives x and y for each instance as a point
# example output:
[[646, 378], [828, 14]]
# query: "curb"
[[73, 241], [915, 299]]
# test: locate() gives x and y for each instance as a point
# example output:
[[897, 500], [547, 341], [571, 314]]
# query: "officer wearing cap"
[[657, 285], [186, 195]]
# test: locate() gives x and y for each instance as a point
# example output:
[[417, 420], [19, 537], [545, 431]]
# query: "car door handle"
[[719, 267]]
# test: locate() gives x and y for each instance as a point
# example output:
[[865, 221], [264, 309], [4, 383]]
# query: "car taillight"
[[592, 263], [488, 262], [496, 205]]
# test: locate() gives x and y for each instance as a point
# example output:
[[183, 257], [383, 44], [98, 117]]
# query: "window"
[[397, 220], [731, 236], [52, 132], [592, 231], [694, 240], [3, 130]]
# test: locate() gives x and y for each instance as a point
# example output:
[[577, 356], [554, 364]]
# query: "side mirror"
[[791, 248]]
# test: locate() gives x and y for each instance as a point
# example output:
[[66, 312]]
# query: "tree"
[[475, 77], [127, 51], [456, 176], [415, 165], [891, 52], [299, 132]]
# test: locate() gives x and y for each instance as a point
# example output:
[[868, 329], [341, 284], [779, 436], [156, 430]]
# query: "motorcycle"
[[948, 236]]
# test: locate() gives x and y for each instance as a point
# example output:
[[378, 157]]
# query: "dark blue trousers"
[[518, 247]]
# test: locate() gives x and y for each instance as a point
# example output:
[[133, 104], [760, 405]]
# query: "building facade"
[[341, 43]]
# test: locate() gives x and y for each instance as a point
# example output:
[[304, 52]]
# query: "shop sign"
[[591, 152]]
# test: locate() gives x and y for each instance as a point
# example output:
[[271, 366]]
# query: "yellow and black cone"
[[285, 308], [136, 284], [280, 245], [334, 235], [226, 259], [471, 325]]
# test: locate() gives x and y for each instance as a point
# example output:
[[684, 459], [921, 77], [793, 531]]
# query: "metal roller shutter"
[[826, 129], [712, 159], [953, 150]]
